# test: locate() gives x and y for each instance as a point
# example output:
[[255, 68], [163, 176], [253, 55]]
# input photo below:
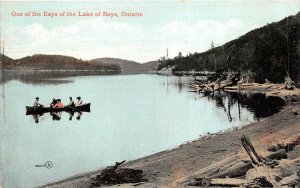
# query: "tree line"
[[57, 62], [269, 52]]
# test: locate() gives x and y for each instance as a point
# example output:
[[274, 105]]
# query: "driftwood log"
[[217, 82], [114, 175], [236, 171], [262, 175], [228, 182], [287, 144], [221, 178]]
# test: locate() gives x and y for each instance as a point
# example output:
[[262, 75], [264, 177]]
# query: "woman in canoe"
[[59, 104]]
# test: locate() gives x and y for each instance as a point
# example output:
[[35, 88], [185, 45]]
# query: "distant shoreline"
[[74, 72], [58, 70]]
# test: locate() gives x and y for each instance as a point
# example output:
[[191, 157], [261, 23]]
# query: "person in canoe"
[[36, 103], [71, 103], [79, 102], [53, 103], [58, 104]]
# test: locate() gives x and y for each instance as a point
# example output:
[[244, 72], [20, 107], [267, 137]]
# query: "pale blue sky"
[[178, 25]]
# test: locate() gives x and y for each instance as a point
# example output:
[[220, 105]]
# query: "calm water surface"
[[131, 116]]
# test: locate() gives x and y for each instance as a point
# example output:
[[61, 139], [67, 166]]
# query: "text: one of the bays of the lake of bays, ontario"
[[78, 13]]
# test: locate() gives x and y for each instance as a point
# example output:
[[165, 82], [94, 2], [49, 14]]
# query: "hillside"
[[151, 65], [6, 59], [267, 52], [55, 62], [126, 65]]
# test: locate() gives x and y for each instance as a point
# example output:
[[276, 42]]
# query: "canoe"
[[39, 110]]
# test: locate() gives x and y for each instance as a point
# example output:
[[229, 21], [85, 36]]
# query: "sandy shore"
[[173, 168]]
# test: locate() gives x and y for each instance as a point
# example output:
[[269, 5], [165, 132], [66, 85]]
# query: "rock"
[[296, 111]]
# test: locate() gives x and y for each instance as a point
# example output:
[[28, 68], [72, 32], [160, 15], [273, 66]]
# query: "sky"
[[180, 26]]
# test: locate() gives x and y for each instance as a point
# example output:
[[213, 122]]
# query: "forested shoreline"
[[269, 52]]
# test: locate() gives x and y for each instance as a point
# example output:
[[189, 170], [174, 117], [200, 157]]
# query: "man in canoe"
[[53, 103], [71, 103], [59, 104], [79, 102], [36, 103]]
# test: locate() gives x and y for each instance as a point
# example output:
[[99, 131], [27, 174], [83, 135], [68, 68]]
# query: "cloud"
[[198, 36], [94, 38]]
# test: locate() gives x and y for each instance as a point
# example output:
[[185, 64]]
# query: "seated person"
[[59, 104], [71, 103], [36, 103], [79, 101], [53, 103]]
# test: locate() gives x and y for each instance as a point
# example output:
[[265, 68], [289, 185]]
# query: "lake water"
[[131, 116]]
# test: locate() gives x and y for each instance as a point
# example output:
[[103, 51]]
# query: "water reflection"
[[257, 103], [233, 103], [71, 114], [79, 114], [56, 116], [40, 77], [220, 100], [36, 117]]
